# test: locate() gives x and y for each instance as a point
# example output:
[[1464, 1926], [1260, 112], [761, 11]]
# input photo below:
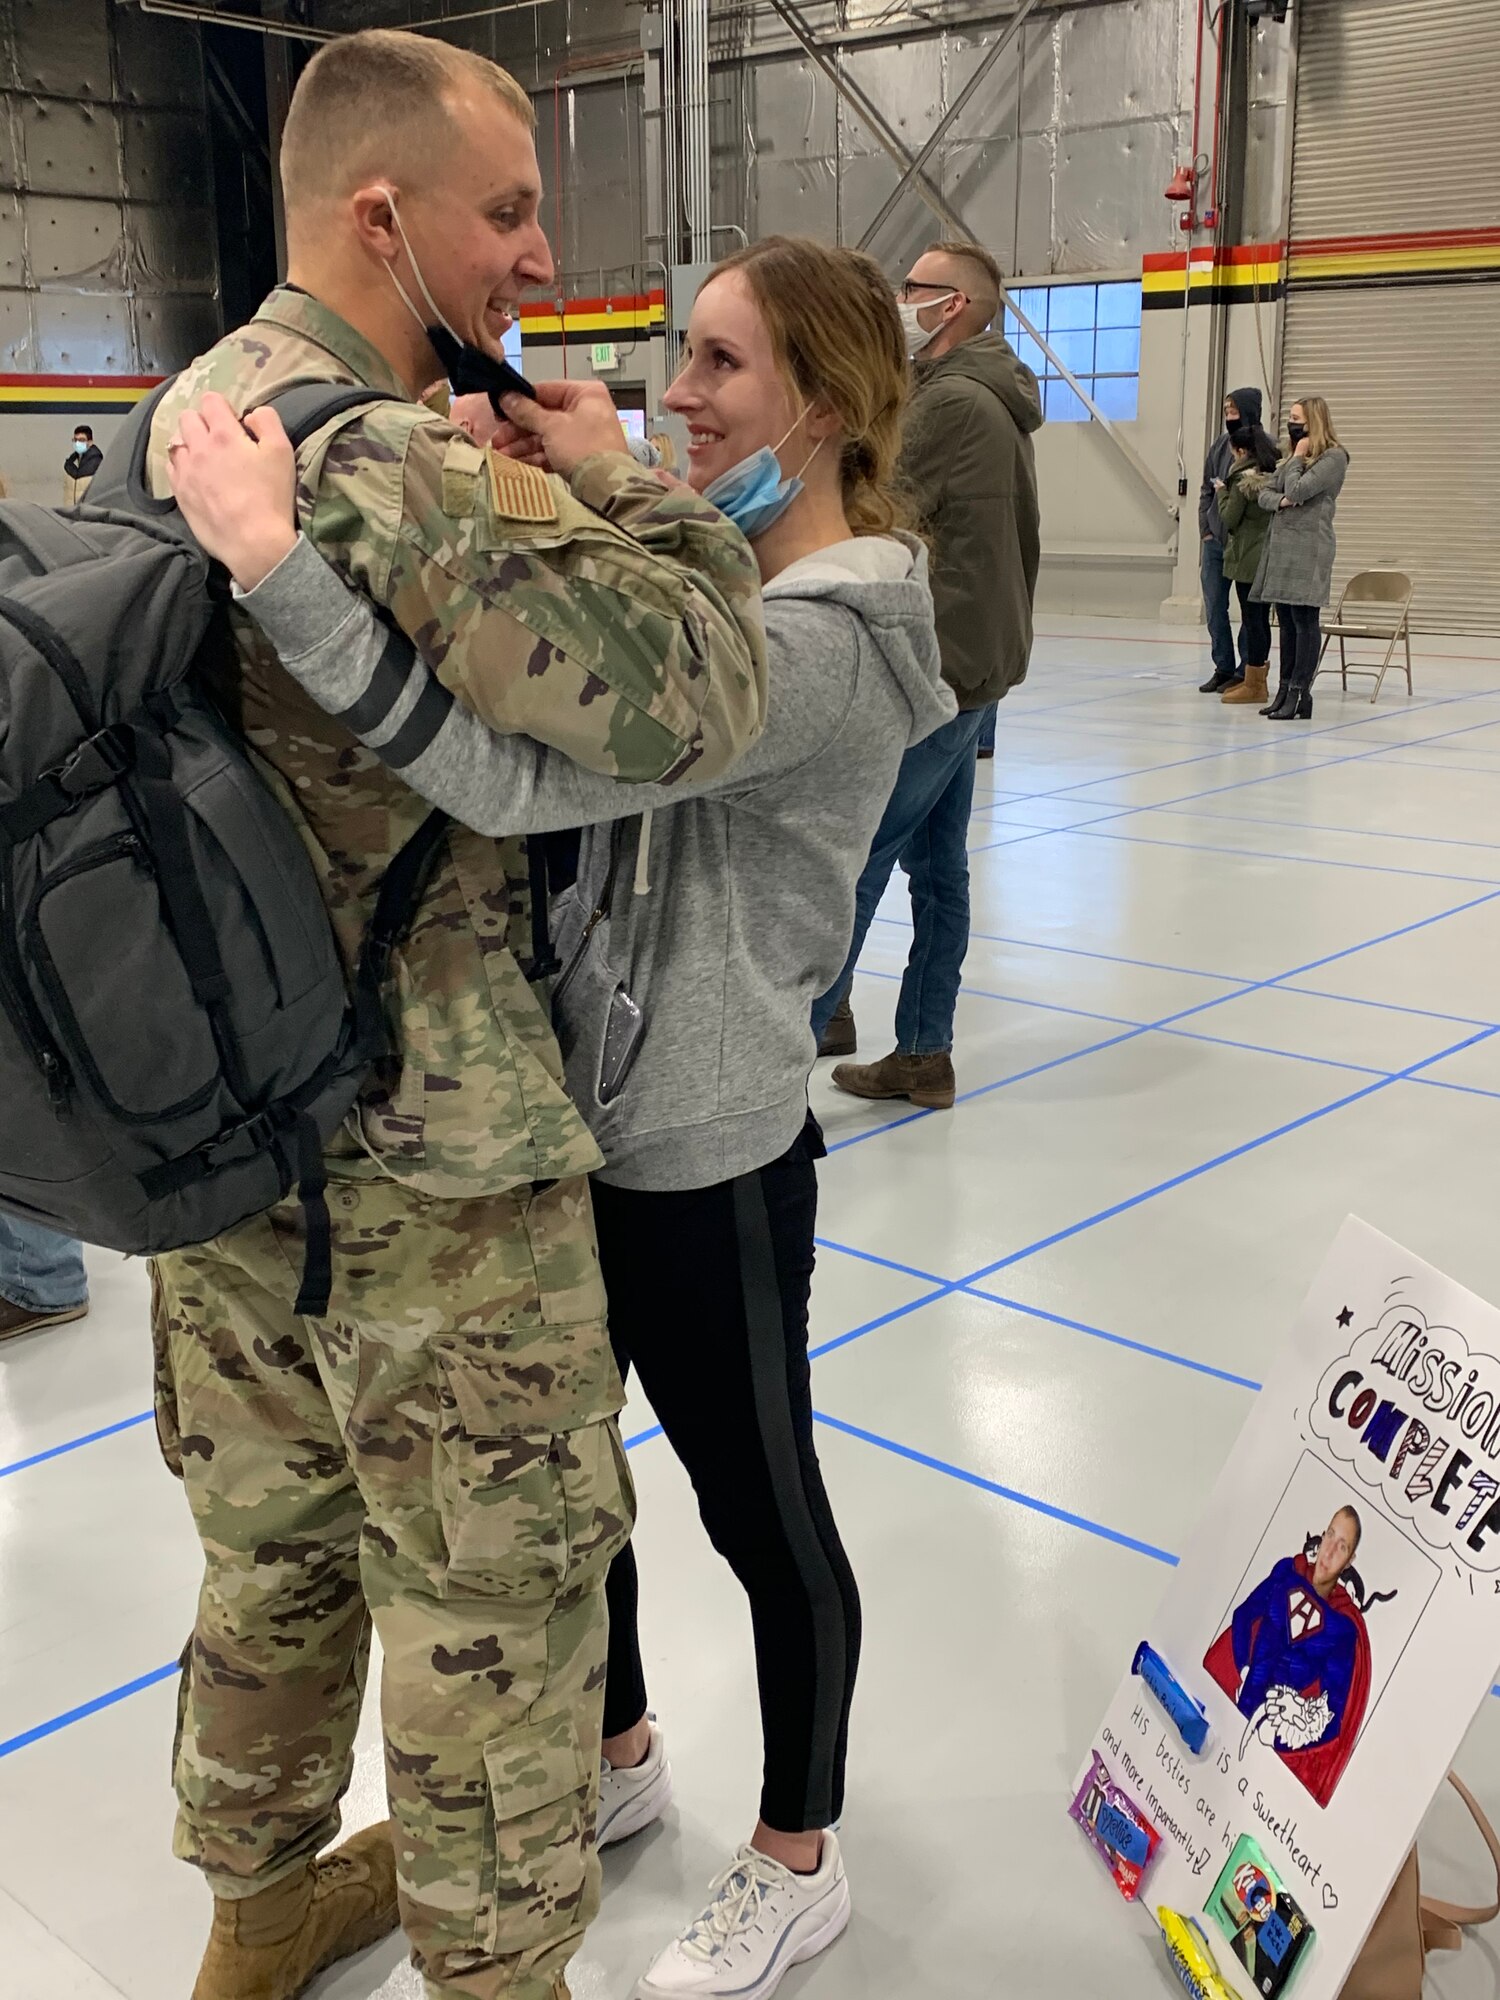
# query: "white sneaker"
[[761, 1920], [630, 1800]]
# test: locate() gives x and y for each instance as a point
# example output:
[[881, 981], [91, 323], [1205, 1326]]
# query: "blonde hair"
[[1321, 436], [376, 100], [838, 341], [983, 279], [666, 448]]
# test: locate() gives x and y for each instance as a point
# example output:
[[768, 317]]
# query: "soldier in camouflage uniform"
[[438, 1454]]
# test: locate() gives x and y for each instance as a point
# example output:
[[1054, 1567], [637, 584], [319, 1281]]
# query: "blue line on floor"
[[1286, 770], [1010, 1493], [885, 1263], [1262, 854], [74, 1444], [1386, 1006], [72, 1715], [644, 1437], [946, 1287], [1181, 1034], [1202, 1007], [943, 1289], [1077, 951], [1219, 1160], [1349, 832], [1193, 972], [1116, 1339], [1268, 744]]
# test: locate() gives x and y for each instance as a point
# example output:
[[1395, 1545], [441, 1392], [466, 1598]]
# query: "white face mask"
[[917, 335], [438, 315]]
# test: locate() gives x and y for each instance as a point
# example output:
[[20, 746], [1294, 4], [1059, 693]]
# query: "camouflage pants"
[[439, 1455]]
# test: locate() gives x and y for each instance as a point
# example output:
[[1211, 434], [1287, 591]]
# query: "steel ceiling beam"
[[868, 111], [915, 178], [939, 131]]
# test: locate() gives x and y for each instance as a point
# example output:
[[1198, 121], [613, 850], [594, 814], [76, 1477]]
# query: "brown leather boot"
[[1251, 689], [273, 1945], [926, 1080], [16, 1320], [840, 1037]]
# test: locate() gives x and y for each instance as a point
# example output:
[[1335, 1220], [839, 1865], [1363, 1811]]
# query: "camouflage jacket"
[[616, 619]]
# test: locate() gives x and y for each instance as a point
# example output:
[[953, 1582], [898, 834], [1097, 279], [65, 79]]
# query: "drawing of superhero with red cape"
[[1295, 1660]]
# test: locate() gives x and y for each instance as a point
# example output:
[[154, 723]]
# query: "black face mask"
[[1296, 432], [472, 372], [1233, 423]]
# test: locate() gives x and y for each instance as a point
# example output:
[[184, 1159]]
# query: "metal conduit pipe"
[[214, 17]]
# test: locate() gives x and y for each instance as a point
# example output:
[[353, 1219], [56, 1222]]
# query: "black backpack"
[[177, 1038]]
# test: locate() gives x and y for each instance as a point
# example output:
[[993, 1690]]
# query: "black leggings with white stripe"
[[708, 1296]]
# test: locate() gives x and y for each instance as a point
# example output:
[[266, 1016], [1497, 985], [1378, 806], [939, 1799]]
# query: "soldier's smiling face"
[[473, 221], [729, 389]]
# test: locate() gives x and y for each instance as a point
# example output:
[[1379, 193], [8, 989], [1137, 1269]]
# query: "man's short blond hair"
[[981, 277], [377, 101]]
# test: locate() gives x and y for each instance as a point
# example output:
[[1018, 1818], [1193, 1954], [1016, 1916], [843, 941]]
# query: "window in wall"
[[1096, 330]]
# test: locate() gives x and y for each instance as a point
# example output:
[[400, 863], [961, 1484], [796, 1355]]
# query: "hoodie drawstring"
[[643, 856]]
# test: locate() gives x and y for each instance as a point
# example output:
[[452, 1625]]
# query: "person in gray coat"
[[1296, 568]]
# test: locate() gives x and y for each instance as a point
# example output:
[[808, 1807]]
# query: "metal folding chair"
[[1376, 604]]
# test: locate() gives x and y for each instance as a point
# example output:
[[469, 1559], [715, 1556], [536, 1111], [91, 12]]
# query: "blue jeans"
[[925, 828], [987, 734], [1217, 591], [38, 1269]]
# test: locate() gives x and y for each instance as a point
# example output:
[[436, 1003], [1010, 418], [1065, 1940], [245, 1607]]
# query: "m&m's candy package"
[[1115, 1828]]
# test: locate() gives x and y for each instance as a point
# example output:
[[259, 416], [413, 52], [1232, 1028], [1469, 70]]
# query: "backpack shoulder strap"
[[305, 407], [120, 482], [1444, 1923]]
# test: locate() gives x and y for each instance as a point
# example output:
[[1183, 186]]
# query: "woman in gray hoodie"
[[704, 923]]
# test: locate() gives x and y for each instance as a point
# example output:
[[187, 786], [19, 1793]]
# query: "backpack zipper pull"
[[56, 1079]]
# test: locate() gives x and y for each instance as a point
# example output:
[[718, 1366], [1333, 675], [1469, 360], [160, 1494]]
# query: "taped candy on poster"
[[1115, 1829], [1191, 1957], [1264, 1925], [1188, 1717]]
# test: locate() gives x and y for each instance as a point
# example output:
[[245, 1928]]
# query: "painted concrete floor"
[[1229, 982]]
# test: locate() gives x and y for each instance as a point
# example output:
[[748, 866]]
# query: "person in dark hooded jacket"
[[969, 465], [1241, 406]]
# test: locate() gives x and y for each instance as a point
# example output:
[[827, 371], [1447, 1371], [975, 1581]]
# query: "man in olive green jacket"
[[971, 471]]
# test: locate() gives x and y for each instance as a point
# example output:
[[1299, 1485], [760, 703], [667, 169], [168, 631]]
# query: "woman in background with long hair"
[[1296, 566]]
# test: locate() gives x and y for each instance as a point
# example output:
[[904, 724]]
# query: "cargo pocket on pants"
[[541, 1792], [526, 1512]]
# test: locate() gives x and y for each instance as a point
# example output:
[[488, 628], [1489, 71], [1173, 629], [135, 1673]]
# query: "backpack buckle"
[[96, 764]]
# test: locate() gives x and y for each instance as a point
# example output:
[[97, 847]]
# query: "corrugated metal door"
[[1393, 308]]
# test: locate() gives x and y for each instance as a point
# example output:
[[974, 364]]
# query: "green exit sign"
[[603, 356]]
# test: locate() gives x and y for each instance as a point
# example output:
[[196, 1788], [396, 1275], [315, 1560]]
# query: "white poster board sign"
[[1337, 1618]]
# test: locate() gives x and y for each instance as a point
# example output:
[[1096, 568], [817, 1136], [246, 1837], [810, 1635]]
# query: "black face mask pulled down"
[[472, 372], [1296, 432]]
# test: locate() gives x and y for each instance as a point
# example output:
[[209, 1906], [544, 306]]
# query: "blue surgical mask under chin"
[[755, 493]]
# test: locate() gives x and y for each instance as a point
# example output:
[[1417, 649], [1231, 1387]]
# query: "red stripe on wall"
[[79, 381]]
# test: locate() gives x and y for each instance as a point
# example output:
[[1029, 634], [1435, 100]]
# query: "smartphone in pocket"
[[624, 1031]]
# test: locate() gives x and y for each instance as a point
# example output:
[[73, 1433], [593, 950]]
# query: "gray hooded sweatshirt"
[[722, 911]]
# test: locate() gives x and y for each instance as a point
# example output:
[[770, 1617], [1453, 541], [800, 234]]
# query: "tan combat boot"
[[926, 1080], [273, 1945], [1251, 689]]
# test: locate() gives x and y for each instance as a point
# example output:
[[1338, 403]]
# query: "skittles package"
[[1265, 1928], [1116, 1830]]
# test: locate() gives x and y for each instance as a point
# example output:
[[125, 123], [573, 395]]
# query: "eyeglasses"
[[910, 285]]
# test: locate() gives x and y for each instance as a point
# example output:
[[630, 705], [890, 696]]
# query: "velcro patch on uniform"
[[520, 492]]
